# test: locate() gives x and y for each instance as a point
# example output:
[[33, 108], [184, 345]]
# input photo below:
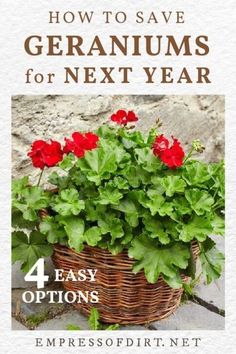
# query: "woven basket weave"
[[124, 297]]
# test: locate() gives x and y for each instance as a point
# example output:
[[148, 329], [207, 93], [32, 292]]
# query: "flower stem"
[[40, 176], [189, 155]]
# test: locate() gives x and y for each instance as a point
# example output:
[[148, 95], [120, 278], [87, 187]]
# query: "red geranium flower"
[[160, 145], [122, 117], [45, 154], [80, 143], [173, 155]]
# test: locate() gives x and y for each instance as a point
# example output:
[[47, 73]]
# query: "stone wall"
[[54, 116]]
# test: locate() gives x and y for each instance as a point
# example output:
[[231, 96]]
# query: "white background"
[[19, 19]]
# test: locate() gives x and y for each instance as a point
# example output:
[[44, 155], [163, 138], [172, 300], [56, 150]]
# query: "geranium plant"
[[117, 189]]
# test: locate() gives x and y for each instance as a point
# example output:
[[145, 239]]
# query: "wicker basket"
[[124, 297]]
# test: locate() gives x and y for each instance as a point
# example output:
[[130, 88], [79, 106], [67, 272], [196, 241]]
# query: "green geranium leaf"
[[155, 261], [59, 181], [20, 222], [196, 174], [88, 191], [68, 202], [128, 236], [30, 201], [67, 162], [218, 224], [115, 248], [98, 164], [29, 249], [18, 185], [107, 132], [35, 197], [79, 178], [92, 236], [109, 195], [122, 157], [172, 185], [156, 181], [200, 201], [94, 319], [147, 160], [217, 173], [174, 281], [207, 245], [191, 270], [155, 228], [198, 227], [170, 228], [113, 327], [131, 139], [151, 200], [216, 169], [129, 208], [74, 228], [166, 209], [119, 182], [211, 260], [181, 206], [131, 173], [151, 136], [94, 212], [94, 323], [157, 204], [111, 225], [52, 229]]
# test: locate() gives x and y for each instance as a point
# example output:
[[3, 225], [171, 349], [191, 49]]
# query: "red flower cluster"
[[173, 155], [49, 154], [123, 118], [45, 154], [80, 143]]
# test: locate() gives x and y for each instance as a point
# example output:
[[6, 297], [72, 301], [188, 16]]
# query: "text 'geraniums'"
[[172, 156]]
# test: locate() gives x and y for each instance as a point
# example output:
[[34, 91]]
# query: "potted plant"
[[133, 206]]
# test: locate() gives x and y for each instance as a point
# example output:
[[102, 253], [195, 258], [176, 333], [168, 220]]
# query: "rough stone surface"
[[75, 318], [18, 280], [214, 293], [23, 311], [191, 316], [72, 317], [133, 328], [17, 326], [187, 117]]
